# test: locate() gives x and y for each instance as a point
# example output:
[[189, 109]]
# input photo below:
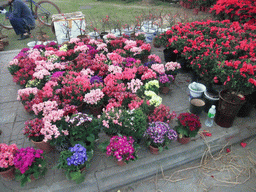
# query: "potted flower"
[[161, 113], [165, 82], [32, 130], [30, 164], [172, 68], [95, 100], [83, 128], [134, 123], [188, 126], [74, 161], [158, 136], [121, 148], [152, 85], [6, 160]]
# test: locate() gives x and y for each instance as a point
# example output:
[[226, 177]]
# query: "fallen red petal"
[[228, 150], [243, 144]]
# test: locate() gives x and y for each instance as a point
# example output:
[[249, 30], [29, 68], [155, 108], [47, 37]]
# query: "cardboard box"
[[68, 25]]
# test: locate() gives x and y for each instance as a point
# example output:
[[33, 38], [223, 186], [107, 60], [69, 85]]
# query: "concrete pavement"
[[104, 174]]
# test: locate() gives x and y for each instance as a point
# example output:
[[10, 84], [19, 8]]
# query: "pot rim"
[[225, 90], [202, 86], [209, 97]]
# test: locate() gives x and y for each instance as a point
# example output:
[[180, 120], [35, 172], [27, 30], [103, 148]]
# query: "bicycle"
[[43, 12]]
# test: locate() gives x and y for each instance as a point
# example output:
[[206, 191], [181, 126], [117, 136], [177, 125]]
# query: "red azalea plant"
[[211, 46], [236, 10]]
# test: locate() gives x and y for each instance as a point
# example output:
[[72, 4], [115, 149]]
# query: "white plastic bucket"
[[199, 92]]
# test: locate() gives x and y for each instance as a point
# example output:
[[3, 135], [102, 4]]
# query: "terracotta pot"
[[183, 140], [227, 109], [45, 146], [121, 163], [153, 150], [164, 90], [8, 174]]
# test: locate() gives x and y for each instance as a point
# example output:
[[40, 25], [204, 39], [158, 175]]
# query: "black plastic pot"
[[210, 98], [247, 106], [169, 55], [196, 105]]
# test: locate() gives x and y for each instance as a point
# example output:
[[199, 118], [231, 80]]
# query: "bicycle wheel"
[[4, 22], [44, 11]]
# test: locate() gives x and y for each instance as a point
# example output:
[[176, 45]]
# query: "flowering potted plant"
[[165, 82], [134, 123], [32, 130], [83, 128], [188, 126], [74, 161], [95, 100], [121, 148], [172, 68], [111, 120], [30, 164], [161, 113], [6, 160], [158, 135], [152, 85]]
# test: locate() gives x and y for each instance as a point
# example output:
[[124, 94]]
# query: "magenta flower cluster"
[[121, 148], [25, 157]]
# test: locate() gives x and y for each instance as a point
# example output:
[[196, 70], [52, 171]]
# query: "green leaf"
[[75, 175], [160, 149], [90, 138], [103, 146]]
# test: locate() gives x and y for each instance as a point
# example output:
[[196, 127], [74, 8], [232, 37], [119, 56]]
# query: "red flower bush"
[[243, 11], [217, 50]]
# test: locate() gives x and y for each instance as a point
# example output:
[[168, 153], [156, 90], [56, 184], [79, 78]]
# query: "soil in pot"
[[196, 105]]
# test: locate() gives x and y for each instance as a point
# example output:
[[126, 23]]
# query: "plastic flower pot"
[[121, 163], [45, 146], [153, 150], [183, 140], [196, 105], [210, 100], [169, 55], [198, 91], [8, 174]]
